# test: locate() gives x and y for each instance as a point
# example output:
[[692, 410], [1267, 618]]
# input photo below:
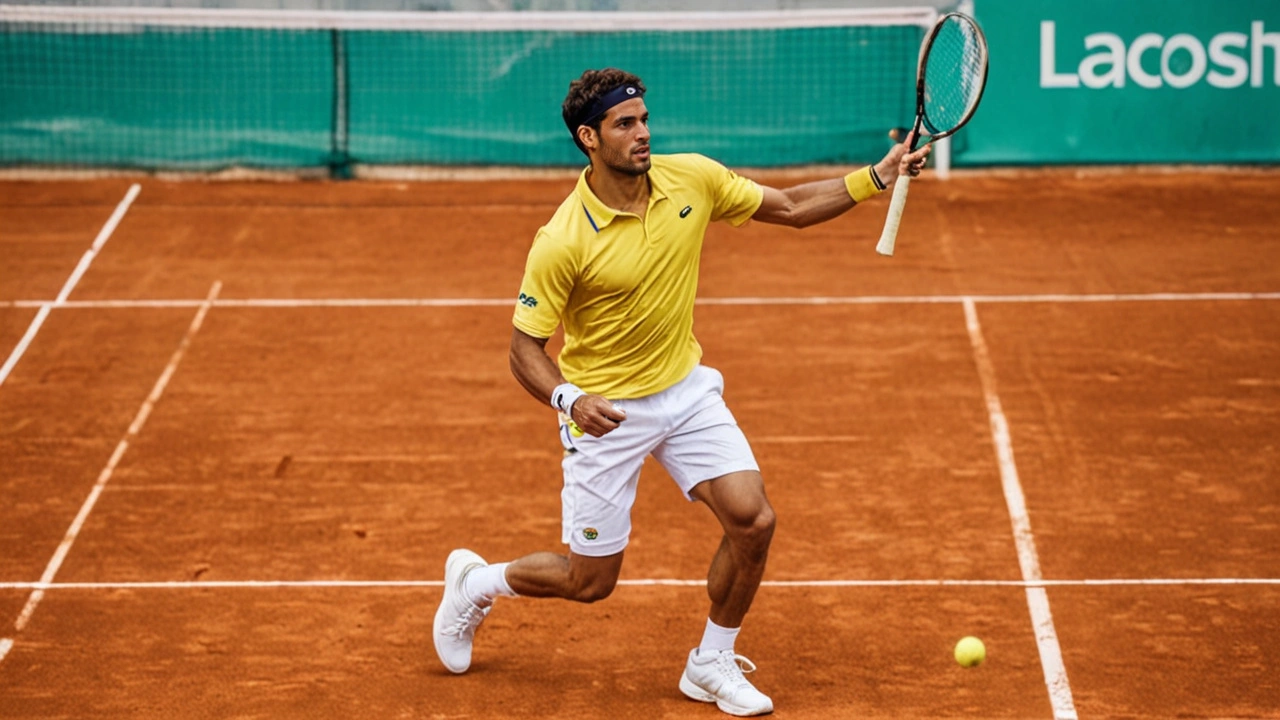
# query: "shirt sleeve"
[[549, 276], [736, 198]]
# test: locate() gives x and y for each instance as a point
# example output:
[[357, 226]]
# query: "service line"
[[818, 300]]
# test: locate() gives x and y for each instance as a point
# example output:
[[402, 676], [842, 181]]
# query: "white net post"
[[942, 158]]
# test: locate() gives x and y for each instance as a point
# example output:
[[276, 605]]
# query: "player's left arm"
[[815, 202]]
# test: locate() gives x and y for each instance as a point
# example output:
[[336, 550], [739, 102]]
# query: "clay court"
[[243, 423]]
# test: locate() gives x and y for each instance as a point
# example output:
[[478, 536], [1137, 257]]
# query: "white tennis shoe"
[[717, 677], [458, 618]]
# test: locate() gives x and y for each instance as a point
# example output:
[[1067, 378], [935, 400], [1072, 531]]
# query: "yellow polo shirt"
[[622, 286]]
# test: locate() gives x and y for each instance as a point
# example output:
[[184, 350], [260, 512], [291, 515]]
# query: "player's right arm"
[[534, 369], [549, 277]]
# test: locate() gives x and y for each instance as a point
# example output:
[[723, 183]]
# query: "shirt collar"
[[599, 214]]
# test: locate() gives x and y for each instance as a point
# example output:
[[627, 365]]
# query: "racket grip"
[[889, 235]]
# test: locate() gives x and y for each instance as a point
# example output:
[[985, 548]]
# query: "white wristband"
[[564, 396]]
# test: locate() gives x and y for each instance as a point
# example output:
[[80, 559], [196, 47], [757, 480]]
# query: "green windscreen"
[[113, 94], [164, 98]]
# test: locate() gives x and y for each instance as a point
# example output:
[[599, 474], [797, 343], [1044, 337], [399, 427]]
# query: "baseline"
[[640, 582]]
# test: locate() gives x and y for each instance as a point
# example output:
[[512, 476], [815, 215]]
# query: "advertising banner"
[[1128, 81]]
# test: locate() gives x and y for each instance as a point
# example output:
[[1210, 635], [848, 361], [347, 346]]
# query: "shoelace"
[[733, 666], [467, 622]]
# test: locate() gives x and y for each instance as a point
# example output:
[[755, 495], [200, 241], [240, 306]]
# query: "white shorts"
[[686, 427]]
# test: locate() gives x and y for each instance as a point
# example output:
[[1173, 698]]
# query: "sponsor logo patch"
[[528, 300], [590, 533]]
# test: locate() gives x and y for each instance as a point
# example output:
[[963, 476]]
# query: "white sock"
[[483, 584], [718, 639]]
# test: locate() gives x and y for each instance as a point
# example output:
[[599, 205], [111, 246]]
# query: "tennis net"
[[202, 90]]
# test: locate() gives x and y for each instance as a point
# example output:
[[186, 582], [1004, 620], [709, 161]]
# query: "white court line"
[[1055, 670], [21, 347], [502, 302], [98, 242], [929, 299], [650, 582], [103, 235], [135, 427]]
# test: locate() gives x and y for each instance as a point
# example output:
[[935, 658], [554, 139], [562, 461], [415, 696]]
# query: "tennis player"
[[617, 266]]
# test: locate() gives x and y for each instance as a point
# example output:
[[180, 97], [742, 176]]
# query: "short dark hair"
[[592, 85]]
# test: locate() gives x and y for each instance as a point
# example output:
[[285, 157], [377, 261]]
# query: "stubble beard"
[[624, 164]]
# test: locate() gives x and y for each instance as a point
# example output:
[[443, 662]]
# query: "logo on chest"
[[685, 212]]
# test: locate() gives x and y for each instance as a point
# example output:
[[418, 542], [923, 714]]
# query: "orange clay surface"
[[270, 544]]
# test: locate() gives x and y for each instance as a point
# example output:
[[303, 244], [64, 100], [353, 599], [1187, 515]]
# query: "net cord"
[[923, 17]]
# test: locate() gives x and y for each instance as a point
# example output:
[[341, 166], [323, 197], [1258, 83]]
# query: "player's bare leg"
[[714, 672], [739, 503], [572, 577], [472, 585]]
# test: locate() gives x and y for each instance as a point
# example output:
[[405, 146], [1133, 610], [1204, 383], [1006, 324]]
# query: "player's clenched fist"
[[595, 415]]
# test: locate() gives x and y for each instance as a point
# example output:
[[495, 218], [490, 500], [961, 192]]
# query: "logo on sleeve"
[[685, 212], [528, 300]]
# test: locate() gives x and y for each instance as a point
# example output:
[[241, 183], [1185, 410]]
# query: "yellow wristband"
[[863, 184]]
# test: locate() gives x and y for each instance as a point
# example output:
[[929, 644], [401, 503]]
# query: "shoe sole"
[[469, 559], [693, 692]]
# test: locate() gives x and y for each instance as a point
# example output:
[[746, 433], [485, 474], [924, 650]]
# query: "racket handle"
[[899, 200]]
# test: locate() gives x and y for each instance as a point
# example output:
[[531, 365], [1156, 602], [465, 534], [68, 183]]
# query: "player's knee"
[[592, 579], [588, 584], [594, 589], [754, 532], [762, 528]]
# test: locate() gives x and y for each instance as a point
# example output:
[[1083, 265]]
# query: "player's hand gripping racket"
[[949, 83]]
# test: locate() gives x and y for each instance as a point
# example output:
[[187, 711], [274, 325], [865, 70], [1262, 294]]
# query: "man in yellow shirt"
[[617, 266]]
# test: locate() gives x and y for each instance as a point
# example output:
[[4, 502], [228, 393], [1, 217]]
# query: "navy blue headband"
[[602, 105]]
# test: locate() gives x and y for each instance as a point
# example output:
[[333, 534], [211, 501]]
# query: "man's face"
[[624, 138]]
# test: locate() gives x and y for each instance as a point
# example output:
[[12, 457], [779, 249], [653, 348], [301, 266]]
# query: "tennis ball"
[[574, 430], [970, 651]]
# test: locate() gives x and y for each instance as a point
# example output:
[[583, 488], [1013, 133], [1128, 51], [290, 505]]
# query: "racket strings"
[[954, 74]]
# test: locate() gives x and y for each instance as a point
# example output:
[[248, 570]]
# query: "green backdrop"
[[209, 98], [1169, 81], [1071, 81]]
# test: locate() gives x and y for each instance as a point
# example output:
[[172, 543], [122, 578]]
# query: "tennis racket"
[[949, 83]]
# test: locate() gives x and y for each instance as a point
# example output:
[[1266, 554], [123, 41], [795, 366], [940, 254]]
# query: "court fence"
[[190, 89]]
